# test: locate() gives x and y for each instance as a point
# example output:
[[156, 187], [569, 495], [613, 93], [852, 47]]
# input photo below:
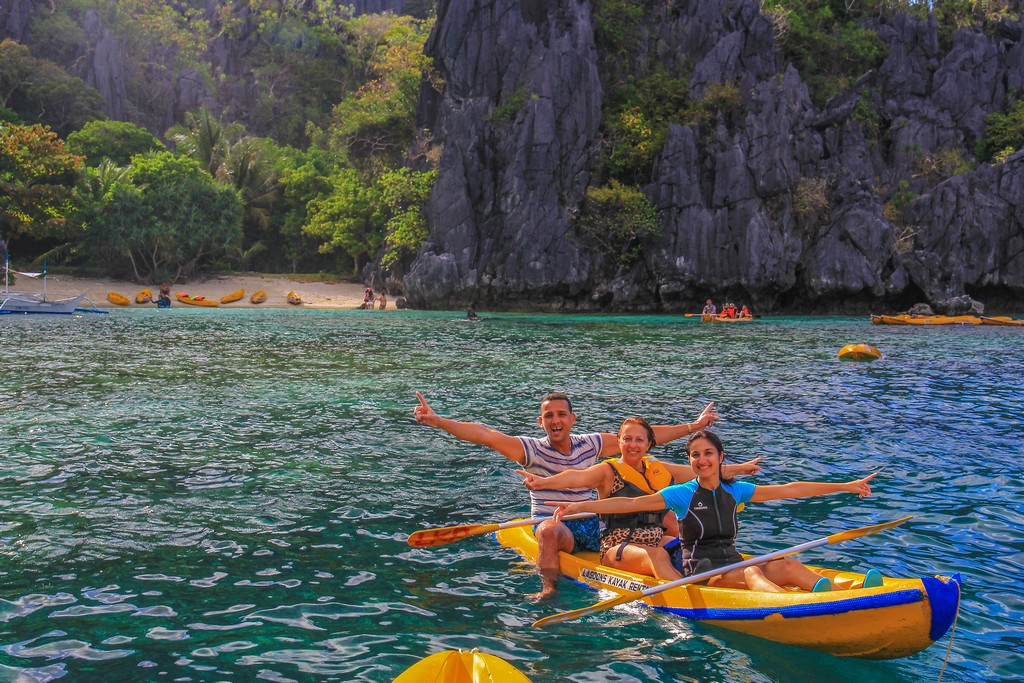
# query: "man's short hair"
[[557, 396]]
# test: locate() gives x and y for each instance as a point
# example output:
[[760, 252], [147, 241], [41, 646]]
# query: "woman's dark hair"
[[643, 423], [717, 443]]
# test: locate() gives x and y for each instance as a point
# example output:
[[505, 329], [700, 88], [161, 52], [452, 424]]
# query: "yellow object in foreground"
[[896, 619], [460, 666], [233, 296], [196, 300], [117, 299], [859, 352]]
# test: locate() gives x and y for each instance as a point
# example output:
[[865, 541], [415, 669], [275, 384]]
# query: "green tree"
[[615, 218], [117, 141], [36, 177], [373, 128], [41, 91], [1004, 132], [168, 217], [350, 218], [405, 193]]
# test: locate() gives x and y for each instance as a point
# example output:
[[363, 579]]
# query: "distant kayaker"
[[471, 313], [706, 508], [556, 452], [709, 308], [634, 542], [745, 312]]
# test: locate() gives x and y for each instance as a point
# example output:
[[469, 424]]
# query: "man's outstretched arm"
[[474, 432]]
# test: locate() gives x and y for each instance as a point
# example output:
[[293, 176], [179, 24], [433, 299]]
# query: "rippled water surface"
[[196, 495]]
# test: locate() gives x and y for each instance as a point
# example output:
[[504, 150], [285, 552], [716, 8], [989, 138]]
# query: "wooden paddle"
[[429, 538], [637, 595]]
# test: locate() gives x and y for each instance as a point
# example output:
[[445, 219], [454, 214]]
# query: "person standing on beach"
[[382, 299], [558, 451]]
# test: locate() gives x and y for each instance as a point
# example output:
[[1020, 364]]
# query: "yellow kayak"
[[460, 666], [259, 297], [117, 299], [294, 298], [904, 319], [196, 300], [233, 296], [1002, 320], [144, 297], [896, 619], [724, 319], [859, 352]]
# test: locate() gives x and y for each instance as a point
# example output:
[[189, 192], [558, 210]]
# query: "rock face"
[[780, 205]]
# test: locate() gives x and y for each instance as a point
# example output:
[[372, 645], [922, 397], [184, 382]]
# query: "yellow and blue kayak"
[[460, 666], [896, 619]]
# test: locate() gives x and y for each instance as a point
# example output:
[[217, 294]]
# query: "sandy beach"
[[314, 294]]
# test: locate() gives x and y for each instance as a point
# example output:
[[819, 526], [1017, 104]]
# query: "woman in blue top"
[[706, 508]]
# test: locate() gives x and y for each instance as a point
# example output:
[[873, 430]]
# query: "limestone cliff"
[[729, 193]]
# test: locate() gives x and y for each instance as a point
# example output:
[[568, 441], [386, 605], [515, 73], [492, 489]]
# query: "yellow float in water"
[[459, 666], [859, 352]]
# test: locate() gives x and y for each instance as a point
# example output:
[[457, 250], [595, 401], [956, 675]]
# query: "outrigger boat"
[[896, 619], [30, 302]]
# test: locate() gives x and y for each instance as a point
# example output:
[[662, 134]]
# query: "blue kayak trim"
[[945, 599], [815, 609]]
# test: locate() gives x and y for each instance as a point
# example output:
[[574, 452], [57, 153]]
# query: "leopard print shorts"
[[644, 535]]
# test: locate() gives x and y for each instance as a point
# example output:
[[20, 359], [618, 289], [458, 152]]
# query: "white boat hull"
[[11, 302]]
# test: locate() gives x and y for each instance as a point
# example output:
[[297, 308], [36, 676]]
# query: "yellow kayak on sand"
[[259, 297], [233, 296], [117, 299], [460, 666], [896, 619], [196, 300], [144, 297], [294, 298]]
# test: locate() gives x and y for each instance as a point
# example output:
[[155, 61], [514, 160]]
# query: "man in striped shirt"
[[558, 451]]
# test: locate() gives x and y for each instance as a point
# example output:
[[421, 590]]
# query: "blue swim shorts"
[[586, 533]]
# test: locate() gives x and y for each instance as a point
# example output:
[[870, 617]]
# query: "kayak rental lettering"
[[614, 581]]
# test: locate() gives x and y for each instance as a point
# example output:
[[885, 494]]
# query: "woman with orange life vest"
[[634, 541]]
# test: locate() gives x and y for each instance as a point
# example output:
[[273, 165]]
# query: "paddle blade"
[[866, 530], [460, 666], [585, 611], [430, 538]]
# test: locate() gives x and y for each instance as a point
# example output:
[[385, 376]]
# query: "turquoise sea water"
[[197, 495]]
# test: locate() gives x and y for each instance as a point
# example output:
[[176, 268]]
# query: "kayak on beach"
[[896, 619], [461, 666], [196, 300]]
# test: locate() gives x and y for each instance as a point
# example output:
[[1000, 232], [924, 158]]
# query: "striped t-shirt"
[[543, 460]]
